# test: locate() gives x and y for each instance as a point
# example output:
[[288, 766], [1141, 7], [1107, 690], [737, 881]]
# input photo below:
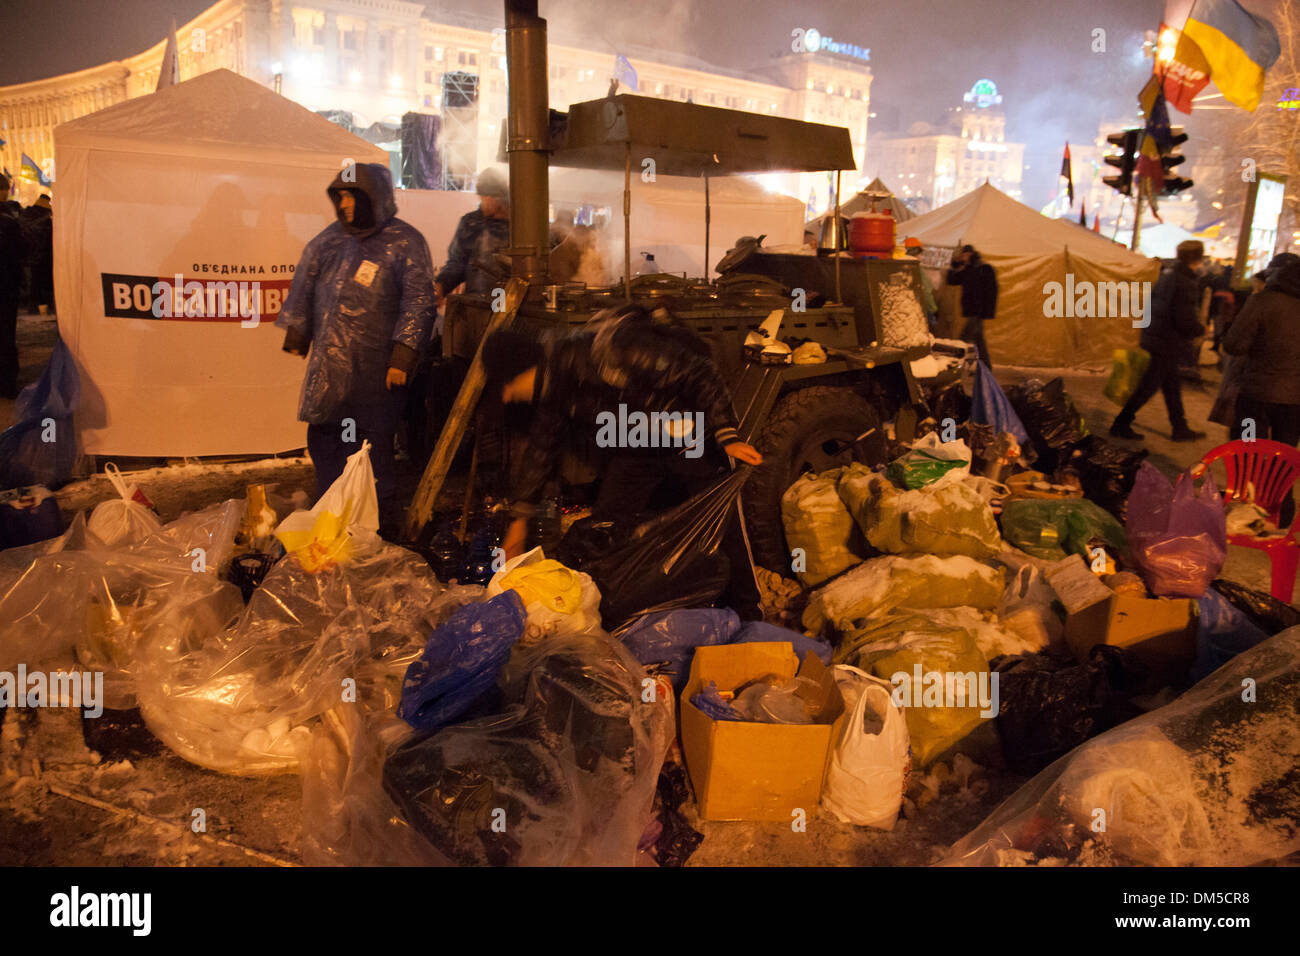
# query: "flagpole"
[[1137, 214]]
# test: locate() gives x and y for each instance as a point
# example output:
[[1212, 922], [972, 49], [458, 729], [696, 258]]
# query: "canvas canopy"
[[1066, 295], [863, 201], [181, 219]]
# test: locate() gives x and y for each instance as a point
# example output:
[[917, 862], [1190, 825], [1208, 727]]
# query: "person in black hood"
[[1175, 304], [362, 302], [979, 296], [619, 368]]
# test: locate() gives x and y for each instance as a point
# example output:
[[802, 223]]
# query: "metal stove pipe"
[[527, 140]]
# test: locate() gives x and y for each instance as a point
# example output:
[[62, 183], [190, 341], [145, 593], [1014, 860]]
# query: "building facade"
[[379, 59], [933, 164]]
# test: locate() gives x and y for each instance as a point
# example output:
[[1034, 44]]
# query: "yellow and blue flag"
[[1239, 46], [31, 173]]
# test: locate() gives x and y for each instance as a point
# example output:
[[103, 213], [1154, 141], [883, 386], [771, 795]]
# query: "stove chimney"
[[527, 139]]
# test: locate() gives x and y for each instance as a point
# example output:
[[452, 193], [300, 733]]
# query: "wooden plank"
[[435, 473]]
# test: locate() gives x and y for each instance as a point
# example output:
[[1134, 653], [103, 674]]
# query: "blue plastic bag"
[[990, 406], [709, 702], [40, 447], [1222, 632], [761, 632], [672, 636], [461, 662]]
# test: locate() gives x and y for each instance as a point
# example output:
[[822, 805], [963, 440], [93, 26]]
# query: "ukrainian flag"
[[1238, 45], [31, 173]]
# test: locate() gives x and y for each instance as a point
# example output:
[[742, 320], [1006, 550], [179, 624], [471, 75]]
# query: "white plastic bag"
[[543, 620], [126, 519], [868, 767], [348, 510]]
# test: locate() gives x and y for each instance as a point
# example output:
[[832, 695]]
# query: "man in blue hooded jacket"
[[360, 306]]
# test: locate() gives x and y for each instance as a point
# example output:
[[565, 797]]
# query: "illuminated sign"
[[1259, 227], [983, 94], [1290, 100], [810, 40]]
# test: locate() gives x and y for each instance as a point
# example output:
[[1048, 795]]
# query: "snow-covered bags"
[[817, 523], [322, 537], [868, 767], [127, 519], [1178, 535], [943, 518]]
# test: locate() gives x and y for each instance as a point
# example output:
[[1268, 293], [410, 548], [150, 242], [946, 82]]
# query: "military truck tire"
[[812, 430]]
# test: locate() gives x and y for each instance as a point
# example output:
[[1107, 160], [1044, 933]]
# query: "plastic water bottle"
[[446, 555], [546, 525]]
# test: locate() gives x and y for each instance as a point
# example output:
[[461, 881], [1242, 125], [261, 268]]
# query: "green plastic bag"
[[929, 460], [817, 522], [1127, 368], [948, 518], [1055, 529]]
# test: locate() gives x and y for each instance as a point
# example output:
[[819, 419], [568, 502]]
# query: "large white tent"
[[217, 179], [1031, 253]]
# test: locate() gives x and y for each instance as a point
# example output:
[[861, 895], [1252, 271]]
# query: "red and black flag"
[[1066, 172]]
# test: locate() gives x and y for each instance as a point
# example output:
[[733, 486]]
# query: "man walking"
[[1174, 327], [979, 296], [362, 302]]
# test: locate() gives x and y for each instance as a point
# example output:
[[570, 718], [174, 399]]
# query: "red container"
[[872, 234]]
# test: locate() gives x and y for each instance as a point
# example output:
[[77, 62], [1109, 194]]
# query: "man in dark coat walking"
[[362, 301], [1174, 328], [979, 296]]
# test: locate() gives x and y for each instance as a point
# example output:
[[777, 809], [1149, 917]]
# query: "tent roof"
[[218, 113], [861, 202], [998, 225]]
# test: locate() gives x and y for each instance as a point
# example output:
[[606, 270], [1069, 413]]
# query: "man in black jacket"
[[979, 296], [1267, 333], [1174, 328], [611, 371], [12, 252], [480, 236]]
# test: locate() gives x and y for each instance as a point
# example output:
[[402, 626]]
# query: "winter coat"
[[38, 233], [1175, 303], [471, 257], [363, 299], [979, 288], [1267, 332], [647, 368], [12, 252]]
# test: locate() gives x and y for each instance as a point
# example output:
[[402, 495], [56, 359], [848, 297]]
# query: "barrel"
[[872, 234]]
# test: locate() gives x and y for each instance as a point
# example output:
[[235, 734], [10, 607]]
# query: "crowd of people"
[[26, 272]]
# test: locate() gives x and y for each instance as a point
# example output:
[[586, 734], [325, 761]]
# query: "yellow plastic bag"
[[349, 509], [1127, 368], [943, 518], [818, 524]]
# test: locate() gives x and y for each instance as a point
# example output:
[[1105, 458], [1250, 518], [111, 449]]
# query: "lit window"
[[437, 53]]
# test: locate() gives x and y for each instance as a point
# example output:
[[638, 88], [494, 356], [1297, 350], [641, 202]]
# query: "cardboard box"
[[753, 771], [1160, 632]]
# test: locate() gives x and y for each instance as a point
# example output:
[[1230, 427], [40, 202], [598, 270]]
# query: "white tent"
[[863, 202], [215, 180], [1030, 253]]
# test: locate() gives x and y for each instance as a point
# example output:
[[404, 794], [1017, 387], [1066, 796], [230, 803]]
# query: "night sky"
[[925, 53]]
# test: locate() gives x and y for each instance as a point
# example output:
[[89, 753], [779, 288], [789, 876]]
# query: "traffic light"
[[1125, 161], [1174, 184]]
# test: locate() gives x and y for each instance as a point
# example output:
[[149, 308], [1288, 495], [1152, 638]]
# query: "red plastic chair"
[[1268, 469]]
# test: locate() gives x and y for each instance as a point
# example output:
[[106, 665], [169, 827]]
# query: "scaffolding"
[[459, 135]]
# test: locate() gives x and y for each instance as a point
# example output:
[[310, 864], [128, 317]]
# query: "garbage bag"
[[1107, 471], [710, 703], [1126, 370], [990, 406], [1028, 609], [939, 678], [126, 519], [244, 700], [1054, 425], [929, 461], [40, 447], [28, 515], [882, 584], [567, 773], [760, 632], [672, 560], [867, 772], [1050, 704], [677, 839], [669, 638], [817, 523], [1054, 529], [1206, 780], [1178, 534], [944, 518], [555, 597], [1264, 611], [347, 512], [1222, 632], [461, 662]]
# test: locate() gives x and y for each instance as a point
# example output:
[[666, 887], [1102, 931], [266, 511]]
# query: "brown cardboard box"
[[752, 771], [1161, 632]]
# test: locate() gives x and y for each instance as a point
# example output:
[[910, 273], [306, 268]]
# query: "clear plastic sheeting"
[[241, 700], [566, 775], [1207, 780]]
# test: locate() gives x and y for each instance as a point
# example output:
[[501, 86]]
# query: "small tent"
[[1065, 294], [862, 202], [181, 219]]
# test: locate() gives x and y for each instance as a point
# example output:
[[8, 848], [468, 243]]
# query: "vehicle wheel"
[[811, 430]]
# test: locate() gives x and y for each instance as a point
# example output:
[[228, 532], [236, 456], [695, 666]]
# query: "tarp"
[[1030, 251], [217, 180]]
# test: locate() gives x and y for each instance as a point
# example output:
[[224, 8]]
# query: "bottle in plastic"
[[546, 530], [446, 555]]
